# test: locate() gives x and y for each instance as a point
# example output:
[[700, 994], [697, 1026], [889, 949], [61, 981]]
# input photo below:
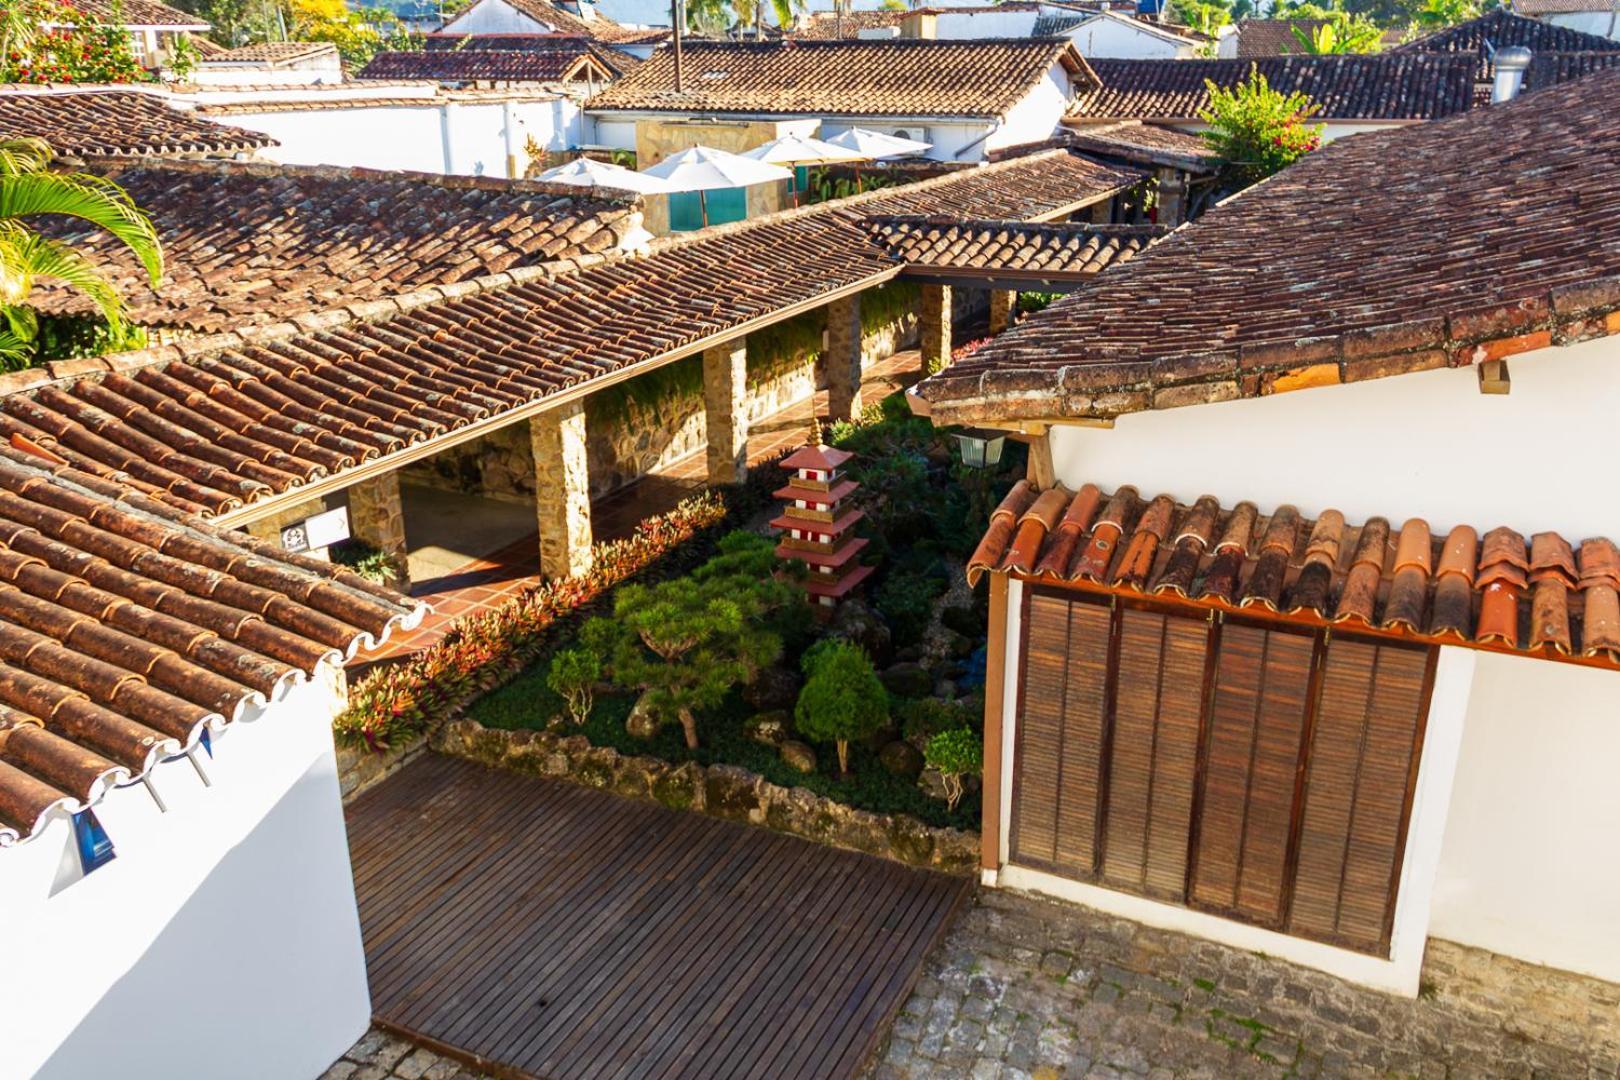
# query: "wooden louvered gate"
[[1261, 773]]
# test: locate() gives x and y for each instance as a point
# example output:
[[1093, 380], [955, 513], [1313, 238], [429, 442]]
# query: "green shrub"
[[956, 754], [686, 642], [1257, 130], [572, 676], [1031, 302], [842, 699], [926, 717], [369, 562], [906, 602]]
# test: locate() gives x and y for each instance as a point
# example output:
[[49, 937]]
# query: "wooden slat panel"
[[1084, 716], [1175, 763], [1040, 728], [1356, 793], [1130, 769], [1256, 724]]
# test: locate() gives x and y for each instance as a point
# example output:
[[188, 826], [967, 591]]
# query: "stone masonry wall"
[[724, 791], [645, 437]]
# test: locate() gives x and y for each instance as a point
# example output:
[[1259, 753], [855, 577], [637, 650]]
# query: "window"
[[1259, 772]]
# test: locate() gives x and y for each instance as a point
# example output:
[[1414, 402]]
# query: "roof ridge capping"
[[367, 311]]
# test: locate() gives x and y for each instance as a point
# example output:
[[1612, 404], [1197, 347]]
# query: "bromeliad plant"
[[29, 189], [685, 643]]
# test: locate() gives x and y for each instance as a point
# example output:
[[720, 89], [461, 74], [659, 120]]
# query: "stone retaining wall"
[[724, 791], [359, 768]]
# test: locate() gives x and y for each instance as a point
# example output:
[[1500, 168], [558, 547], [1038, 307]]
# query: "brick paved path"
[[1027, 988]]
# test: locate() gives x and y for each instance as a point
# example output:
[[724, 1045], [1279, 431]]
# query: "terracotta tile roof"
[[272, 52], [127, 629], [599, 27], [823, 25], [218, 422], [248, 243], [565, 59], [1561, 7], [139, 13], [1360, 261], [1009, 251], [1145, 144], [119, 123], [1272, 37], [1545, 596], [617, 61], [1499, 29], [911, 78], [1385, 86], [1551, 68]]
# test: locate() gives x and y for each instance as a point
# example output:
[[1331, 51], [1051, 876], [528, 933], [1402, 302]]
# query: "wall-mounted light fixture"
[[980, 447]]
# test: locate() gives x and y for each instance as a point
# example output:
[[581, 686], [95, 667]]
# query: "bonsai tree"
[[842, 699], [686, 642], [1258, 130], [955, 753], [573, 676]]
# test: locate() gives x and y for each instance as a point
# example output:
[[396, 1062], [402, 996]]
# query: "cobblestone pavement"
[[381, 1056], [1026, 988]]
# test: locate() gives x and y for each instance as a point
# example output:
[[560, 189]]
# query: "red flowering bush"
[[47, 41], [396, 704], [1257, 130]]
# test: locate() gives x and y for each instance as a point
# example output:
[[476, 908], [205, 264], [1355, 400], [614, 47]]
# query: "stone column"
[[934, 327], [725, 410], [1172, 197], [377, 518], [1102, 213], [1003, 302], [844, 358], [562, 490]]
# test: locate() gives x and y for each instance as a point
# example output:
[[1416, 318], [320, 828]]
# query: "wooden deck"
[[534, 927]]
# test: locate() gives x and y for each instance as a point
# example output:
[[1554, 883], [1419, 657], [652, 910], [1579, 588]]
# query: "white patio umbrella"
[[703, 168], [876, 145], [794, 150], [588, 172]]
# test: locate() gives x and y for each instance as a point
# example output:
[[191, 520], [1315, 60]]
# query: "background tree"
[[1205, 17], [358, 35], [956, 753], [687, 641], [1343, 32], [1432, 15], [842, 698], [1257, 130], [29, 189]]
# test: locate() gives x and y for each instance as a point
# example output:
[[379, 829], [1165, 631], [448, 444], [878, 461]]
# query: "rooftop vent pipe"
[[1511, 63]]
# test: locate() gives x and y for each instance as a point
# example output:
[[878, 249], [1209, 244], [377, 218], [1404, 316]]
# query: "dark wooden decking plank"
[[664, 943]]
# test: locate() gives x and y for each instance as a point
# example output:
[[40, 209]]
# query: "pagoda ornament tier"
[[817, 527]]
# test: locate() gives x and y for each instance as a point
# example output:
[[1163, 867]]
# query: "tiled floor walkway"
[[488, 583]]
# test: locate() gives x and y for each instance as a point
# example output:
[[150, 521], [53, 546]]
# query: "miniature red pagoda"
[[817, 528]]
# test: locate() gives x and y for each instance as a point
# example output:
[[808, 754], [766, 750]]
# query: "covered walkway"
[[485, 583], [534, 927]]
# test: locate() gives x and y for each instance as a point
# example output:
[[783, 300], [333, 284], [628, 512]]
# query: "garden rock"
[[908, 680], [729, 792], [962, 619], [773, 688], [958, 645], [769, 728], [901, 759], [641, 722], [799, 756], [945, 690], [859, 624]]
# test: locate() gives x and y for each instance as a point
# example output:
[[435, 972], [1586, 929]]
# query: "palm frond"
[[27, 256], [93, 199], [25, 154]]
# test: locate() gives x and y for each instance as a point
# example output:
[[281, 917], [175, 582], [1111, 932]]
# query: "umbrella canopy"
[[876, 145], [801, 150], [704, 168], [585, 172]]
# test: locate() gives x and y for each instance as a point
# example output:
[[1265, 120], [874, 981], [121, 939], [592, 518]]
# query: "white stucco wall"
[[1425, 445], [949, 140], [1601, 23], [1034, 118], [409, 136], [1108, 38], [988, 23], [1530, 865], [495, 17], [222, 941]]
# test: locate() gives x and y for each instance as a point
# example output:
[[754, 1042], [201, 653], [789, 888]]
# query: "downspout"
[[445, 139], [509, 129], [677, 18], [993, 129]]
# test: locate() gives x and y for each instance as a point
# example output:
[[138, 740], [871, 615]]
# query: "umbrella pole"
[[703, 208]]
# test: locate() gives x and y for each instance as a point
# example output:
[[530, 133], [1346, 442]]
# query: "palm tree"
[[29, 189]]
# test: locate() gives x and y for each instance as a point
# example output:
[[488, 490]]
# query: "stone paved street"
[[381, 1056], [1025, 988]]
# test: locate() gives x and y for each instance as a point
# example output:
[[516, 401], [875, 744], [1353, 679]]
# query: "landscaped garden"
[[698, 645]]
